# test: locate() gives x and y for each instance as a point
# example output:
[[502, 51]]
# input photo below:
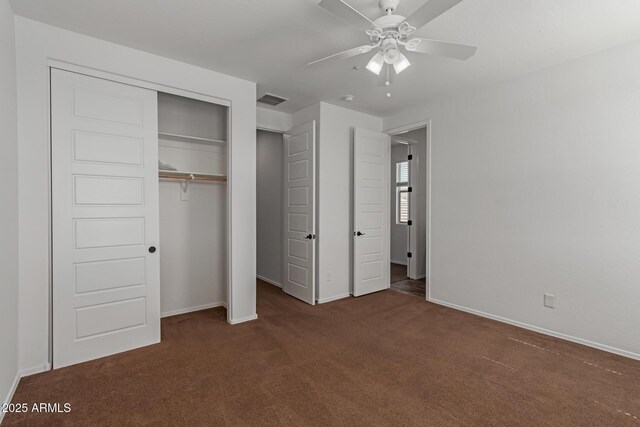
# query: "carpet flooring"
[[385, 359]]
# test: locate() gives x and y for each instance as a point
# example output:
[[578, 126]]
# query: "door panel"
[[104, 171], [299, 209], [371, 212]]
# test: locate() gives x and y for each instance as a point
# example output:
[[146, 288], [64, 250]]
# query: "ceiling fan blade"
[[430, 11], [347, 13], [342, 55], [440, 48]]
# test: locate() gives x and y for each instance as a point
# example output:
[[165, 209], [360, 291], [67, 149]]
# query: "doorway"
[[408, 215], [286, 233]]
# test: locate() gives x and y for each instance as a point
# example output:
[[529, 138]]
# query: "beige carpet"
[[386, 359]]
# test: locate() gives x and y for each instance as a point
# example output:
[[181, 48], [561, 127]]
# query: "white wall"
[[36, 43], [8, 207], [335, 183], [536, 188], [397, 232], [193, 258], [334, 165], [270, 169], [273, 120]]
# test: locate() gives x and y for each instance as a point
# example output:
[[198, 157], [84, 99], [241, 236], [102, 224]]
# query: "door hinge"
[[410, 157], [409, 222], [410, 189], [408, 254]]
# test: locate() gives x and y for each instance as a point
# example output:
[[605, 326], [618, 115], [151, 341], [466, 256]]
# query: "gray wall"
[[9, 205], [269, 203]]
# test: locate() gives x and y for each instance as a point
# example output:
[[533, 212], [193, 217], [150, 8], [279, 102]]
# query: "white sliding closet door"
[[106, 287], [299, 212], [371, 156]]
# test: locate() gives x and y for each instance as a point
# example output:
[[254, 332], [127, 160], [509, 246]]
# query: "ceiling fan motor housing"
[[390, 27], [387, 5]]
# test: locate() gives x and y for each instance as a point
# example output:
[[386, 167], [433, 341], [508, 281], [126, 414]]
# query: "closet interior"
[[192, 163]]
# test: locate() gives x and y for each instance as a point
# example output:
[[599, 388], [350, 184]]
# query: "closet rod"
[[192, 177]]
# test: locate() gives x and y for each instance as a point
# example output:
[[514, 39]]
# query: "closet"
[[192, 163], [138, 212]]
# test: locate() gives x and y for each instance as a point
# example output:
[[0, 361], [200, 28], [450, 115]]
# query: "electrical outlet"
[[328, 276], [549, 300]]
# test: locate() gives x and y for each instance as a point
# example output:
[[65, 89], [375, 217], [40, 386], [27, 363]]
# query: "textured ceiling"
[[271, 41]]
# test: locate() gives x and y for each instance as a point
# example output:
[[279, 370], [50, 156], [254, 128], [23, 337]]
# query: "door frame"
[[91, 72], [427, 162], [411, 232]]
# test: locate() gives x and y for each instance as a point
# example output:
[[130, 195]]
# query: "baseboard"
[[419, 277], [544, 331], [192, 309], [271, 282], [333, 298], [399, 262], [12, 391], [35, 370], [242, 319]]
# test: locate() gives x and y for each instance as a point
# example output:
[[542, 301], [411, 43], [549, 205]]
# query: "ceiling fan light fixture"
[[401, 64], [375, 65]]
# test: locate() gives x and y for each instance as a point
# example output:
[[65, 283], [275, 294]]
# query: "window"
[[402, 192]]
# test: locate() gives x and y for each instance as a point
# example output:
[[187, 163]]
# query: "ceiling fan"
[[390, 33]]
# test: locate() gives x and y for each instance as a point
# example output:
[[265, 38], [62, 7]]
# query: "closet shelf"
[[186, 138], [188, 176]]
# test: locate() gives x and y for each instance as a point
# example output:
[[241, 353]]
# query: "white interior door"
[[371, 261], [299, 212], [106, 287]]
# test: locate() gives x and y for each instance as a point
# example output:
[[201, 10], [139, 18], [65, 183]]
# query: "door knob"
[[152, 249], [309, 236], [359, 234]]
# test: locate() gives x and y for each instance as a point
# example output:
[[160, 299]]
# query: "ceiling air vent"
[[272, 100]]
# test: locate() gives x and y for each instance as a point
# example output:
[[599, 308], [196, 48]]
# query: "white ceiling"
[[271, 41]]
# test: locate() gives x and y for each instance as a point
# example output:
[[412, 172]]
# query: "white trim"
[[35, 370], [269, 281], [399, 262], [272, 130], [12, 391], [407, 128], [92, 72], [242, 319], [544, 331], [333, 298], [192, 309], [428, 200]]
